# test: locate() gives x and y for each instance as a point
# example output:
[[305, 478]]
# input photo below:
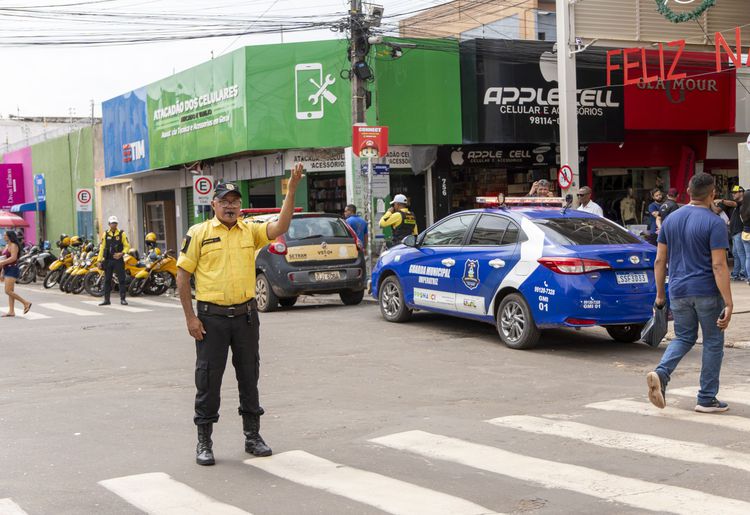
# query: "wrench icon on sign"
[[323, 90]]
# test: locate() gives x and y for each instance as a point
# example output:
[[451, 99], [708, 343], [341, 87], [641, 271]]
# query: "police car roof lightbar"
[[508, 202]]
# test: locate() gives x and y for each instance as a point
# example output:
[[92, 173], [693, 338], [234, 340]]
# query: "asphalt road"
[[363, 416]]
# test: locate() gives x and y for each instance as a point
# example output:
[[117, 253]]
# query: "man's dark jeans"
[[690, 313]]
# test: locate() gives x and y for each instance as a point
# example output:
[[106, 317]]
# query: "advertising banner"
[[11, 185], [699, 99], [369, 141], [40, 188], [198, 113], [125, 134], [510, 94], [298, 98], [84, 200]]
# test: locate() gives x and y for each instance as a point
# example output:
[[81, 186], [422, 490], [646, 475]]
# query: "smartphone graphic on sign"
[[304, 77]]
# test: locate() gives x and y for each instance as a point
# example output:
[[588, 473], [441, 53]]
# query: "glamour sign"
[[636, 68]]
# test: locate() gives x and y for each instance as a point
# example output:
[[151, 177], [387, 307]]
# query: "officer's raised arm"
[[280, 226]]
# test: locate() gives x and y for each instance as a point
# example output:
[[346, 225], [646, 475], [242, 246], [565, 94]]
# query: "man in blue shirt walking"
[[692, 246], [357, 223]]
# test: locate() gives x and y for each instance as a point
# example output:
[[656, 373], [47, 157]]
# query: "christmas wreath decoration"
[[669, 14]]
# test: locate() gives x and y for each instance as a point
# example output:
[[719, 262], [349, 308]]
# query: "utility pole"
[[358, 52], [566, 80], [358, 35]]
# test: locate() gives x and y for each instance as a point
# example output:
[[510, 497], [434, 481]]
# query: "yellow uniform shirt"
[[393, 220], [113, 234], [223, 260]]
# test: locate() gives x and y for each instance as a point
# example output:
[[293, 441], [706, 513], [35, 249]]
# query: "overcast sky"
[[53, 80]]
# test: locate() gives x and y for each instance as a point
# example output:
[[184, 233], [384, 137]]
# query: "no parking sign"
[[84, 200], [203, 190]]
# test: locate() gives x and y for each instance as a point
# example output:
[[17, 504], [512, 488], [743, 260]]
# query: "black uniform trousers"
[[114, 266], [242, 334]]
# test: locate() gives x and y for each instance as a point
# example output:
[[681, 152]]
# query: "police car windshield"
[[317, 227], [585, 231]]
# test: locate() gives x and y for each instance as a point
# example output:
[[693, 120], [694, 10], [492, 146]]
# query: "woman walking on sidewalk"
[[9, 266]]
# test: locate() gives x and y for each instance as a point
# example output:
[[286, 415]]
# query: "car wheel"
[[515, 325], [352, 298], [288, 302], [264, 295], [625, 333], [392, 303]]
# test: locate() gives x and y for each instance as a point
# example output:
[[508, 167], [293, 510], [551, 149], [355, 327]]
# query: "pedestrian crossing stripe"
[[138, 301], [8, 507], [727, 394], [635, 442], [158, 494], [387, 494], [54, 306], [641, 408], [32, 315], [551, 474], [127, 309]]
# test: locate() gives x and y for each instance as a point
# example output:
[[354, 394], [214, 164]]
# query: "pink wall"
[[23, 156]]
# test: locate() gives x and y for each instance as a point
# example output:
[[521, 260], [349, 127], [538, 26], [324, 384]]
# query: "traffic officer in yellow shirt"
[[220, 253], [113, 247], [401, 221]]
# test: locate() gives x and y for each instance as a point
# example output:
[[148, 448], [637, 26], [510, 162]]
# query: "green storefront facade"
[[246, 115], [67, 163]]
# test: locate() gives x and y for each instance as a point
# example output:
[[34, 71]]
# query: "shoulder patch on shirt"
[[210, 240], [186, 244]]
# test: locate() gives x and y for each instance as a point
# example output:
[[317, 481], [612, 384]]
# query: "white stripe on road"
[[159, 494], [117, 307], [54, 306], [8, 507], [635, 442], [145, 302], [642, 408], [385, 493], [32, 315], [552, 474], [727, 394]]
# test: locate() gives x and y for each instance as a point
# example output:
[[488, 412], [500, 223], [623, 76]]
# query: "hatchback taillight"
[[574, 266], [357, 241], [278, 246]]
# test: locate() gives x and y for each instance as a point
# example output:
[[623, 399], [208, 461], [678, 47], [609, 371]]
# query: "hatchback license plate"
[[637, 278], [327, 276]]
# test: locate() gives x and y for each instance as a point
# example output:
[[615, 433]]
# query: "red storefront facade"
[[667, 126]]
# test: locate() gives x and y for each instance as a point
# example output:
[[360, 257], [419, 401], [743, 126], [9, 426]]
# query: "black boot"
[[203, 453], [254, 443]]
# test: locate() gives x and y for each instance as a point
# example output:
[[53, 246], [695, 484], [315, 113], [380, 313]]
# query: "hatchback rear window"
[[585, 231], [317, 227]]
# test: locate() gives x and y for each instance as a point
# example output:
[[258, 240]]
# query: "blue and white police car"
[[523, 270]]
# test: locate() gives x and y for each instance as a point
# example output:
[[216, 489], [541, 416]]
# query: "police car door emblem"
[[635, 260], [471, 274]]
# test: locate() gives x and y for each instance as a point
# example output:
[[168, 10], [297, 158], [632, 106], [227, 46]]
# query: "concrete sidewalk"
[[738, 334]]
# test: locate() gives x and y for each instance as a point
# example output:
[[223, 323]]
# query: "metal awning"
[[28, 206]]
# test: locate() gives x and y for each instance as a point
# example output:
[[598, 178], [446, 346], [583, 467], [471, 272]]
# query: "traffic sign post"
[[565, 177], [84, 200], [203, 190], [369, 143]]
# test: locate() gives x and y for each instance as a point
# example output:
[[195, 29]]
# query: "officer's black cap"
[[224, 188]]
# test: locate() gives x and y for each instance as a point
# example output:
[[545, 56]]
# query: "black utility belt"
[[206, 308]]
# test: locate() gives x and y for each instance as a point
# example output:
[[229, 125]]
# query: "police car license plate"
[[327, 276], [632, 278]]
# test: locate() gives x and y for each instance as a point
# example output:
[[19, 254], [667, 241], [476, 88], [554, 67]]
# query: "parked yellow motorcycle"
[[93, 281], [62, 263], [160, 273]]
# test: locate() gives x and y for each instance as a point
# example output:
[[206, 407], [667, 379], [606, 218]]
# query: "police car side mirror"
[[410, 241]]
